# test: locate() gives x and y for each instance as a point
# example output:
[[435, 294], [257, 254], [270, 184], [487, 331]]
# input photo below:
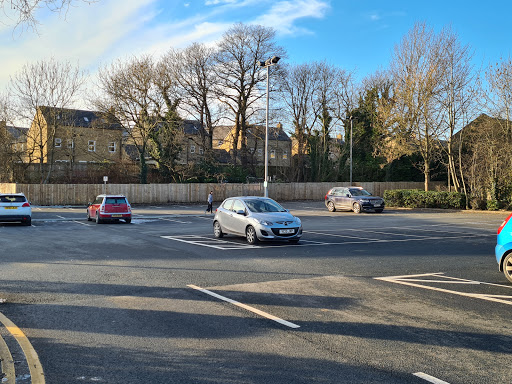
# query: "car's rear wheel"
[[250, 235], [128, 221], [28, 223], [98, 220], [88, 216], [356, 208], [331, 207], [507, 267], [217, 230]]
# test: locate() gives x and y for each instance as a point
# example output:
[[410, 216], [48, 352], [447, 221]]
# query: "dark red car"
[[109, 208]]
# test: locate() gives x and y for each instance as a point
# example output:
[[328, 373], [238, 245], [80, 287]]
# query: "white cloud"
[[283, 15]]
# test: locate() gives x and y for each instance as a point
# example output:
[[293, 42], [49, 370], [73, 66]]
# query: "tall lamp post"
[[350, 150], [267, 64]]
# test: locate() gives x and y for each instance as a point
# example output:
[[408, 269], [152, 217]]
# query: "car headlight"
[[364, 200], [264, 222], [298, 220]]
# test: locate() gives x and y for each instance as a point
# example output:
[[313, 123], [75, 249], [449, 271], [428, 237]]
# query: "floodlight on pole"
[[267, 64]]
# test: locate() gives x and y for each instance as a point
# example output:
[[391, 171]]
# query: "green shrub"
[[492, 205], [416, 198]]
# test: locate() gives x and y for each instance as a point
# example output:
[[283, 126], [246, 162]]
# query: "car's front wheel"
[[250, 235], [331, 207], [379, 210], [217, 230], [356, 208], [507, 267]]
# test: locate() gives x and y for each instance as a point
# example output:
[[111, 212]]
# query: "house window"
[[221, 142], [285, 155], [273, 154], [192, 148], [58, 142], [201, 151], [92, 146], [112, 147], [71, 145], [260, 152]]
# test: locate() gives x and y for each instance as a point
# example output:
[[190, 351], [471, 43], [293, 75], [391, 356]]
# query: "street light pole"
[[267, 64], [350, 150], [265, 183]]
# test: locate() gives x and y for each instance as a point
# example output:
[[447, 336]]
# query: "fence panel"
[[81, 194]]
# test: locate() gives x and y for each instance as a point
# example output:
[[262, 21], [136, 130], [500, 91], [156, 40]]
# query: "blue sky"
[[357, 35]]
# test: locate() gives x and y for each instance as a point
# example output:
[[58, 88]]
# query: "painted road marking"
[[6, 362], [34, 365], [177, 221], [225, 245], [244, 306], [421, 281], [430, 379]]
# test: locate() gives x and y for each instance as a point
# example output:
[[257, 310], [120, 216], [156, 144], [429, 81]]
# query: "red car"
[[109, 208]]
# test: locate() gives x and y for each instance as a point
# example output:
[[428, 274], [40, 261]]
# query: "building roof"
[[274, 133], [81, 118], [17, 133]]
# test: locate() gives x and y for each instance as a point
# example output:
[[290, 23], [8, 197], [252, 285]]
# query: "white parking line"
[[177, 221], [244, 306], [416, 281], [430, 379]]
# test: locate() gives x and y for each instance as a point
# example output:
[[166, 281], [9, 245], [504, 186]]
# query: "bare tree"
[[239, 75], [458, 93], [46, 83], [141, 95], [22, 12], [418, 69], [194, 70], [297, 87]]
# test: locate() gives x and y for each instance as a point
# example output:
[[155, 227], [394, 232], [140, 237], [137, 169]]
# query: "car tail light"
[[26, 205], [504, 223], [102, 208], [129, 207]]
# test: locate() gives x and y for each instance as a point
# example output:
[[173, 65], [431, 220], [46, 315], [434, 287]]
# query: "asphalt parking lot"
[[406, 296]]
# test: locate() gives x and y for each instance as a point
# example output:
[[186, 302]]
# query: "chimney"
[[279, 126]]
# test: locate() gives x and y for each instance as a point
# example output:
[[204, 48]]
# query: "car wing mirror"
[[240, 212], [347, 195]]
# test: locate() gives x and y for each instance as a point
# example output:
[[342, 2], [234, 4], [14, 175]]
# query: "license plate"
[[286, 231], [117, 215], [376, 205], [11, 207]]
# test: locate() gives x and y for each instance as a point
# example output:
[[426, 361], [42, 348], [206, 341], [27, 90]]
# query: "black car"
[[353, 199]]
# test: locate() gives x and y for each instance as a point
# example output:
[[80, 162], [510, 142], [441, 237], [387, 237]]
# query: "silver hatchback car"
[[256, 218]]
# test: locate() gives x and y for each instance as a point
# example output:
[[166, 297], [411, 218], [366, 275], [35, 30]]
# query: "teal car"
[[503, 248]]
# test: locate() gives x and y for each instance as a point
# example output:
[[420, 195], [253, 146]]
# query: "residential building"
[[74, 136], [279, 144]]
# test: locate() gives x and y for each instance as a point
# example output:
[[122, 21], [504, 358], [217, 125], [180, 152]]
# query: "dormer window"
[[86, 119]]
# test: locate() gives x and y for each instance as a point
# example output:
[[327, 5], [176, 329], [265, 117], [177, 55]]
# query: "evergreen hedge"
[[416, 198]]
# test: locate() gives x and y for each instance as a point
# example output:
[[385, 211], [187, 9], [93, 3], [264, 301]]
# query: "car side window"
[[98, 200], [238, 206], [227, 204], [338, 192]]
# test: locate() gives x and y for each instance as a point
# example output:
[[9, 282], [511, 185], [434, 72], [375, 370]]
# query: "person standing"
[[210, 202]]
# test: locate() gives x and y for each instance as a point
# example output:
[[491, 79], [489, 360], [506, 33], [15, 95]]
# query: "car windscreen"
[[115, 200], [261, 206], [359, 192], [12, 199]]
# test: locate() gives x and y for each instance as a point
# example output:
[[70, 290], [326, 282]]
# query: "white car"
[[256, 218], [15, 207]]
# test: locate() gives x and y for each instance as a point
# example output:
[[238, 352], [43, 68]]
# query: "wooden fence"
[[81, 194]]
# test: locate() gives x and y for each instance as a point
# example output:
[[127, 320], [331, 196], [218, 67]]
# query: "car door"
[[238, 221], [224, 214], [337, 197], [344, 198], [95, 206]]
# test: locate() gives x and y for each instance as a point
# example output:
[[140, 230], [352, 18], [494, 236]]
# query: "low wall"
[[81, 194]]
